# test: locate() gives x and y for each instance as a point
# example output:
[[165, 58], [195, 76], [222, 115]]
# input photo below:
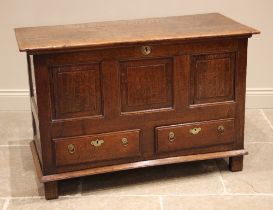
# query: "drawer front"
[[101, 147], [194, 135]]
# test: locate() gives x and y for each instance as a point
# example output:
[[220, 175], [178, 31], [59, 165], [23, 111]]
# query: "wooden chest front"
[[119, 89]]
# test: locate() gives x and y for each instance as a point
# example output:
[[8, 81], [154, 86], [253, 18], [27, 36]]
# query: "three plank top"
[[128, 31]]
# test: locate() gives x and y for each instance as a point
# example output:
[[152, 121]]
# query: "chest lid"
[[115, 33]]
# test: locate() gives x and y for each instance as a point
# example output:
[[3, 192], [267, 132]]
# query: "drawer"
[[194, 135], [100, 147]]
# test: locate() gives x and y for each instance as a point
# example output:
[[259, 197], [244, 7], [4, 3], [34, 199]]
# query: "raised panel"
[[76, 91], [146, 84], [212, 78]]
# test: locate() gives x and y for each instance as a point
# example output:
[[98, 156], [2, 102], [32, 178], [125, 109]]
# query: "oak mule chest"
[[122, 95]]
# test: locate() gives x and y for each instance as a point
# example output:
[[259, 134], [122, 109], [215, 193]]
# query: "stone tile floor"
[[198, 185]]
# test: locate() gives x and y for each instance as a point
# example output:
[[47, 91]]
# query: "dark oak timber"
[[51, 190], [236, 163], [123, 95]]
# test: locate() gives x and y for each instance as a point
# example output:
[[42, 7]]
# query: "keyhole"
[[146, 50]]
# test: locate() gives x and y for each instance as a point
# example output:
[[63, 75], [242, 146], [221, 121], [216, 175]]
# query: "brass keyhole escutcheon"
[[195, 131], [171, 136], [124, 141], [97, 142], [221, 129], [71, 148], [146, 50]]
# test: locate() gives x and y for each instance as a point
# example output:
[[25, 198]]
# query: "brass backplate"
[[146, 50], [195, 131], [97, 142]]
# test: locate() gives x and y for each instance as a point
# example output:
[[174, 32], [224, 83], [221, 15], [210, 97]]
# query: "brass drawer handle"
[[195, 131], [221, 129], [97, 142], [171, 136], [124, 141], [71, 148], [146, 50]]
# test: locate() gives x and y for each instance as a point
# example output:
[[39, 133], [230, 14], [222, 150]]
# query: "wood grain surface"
[[128, 31]]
